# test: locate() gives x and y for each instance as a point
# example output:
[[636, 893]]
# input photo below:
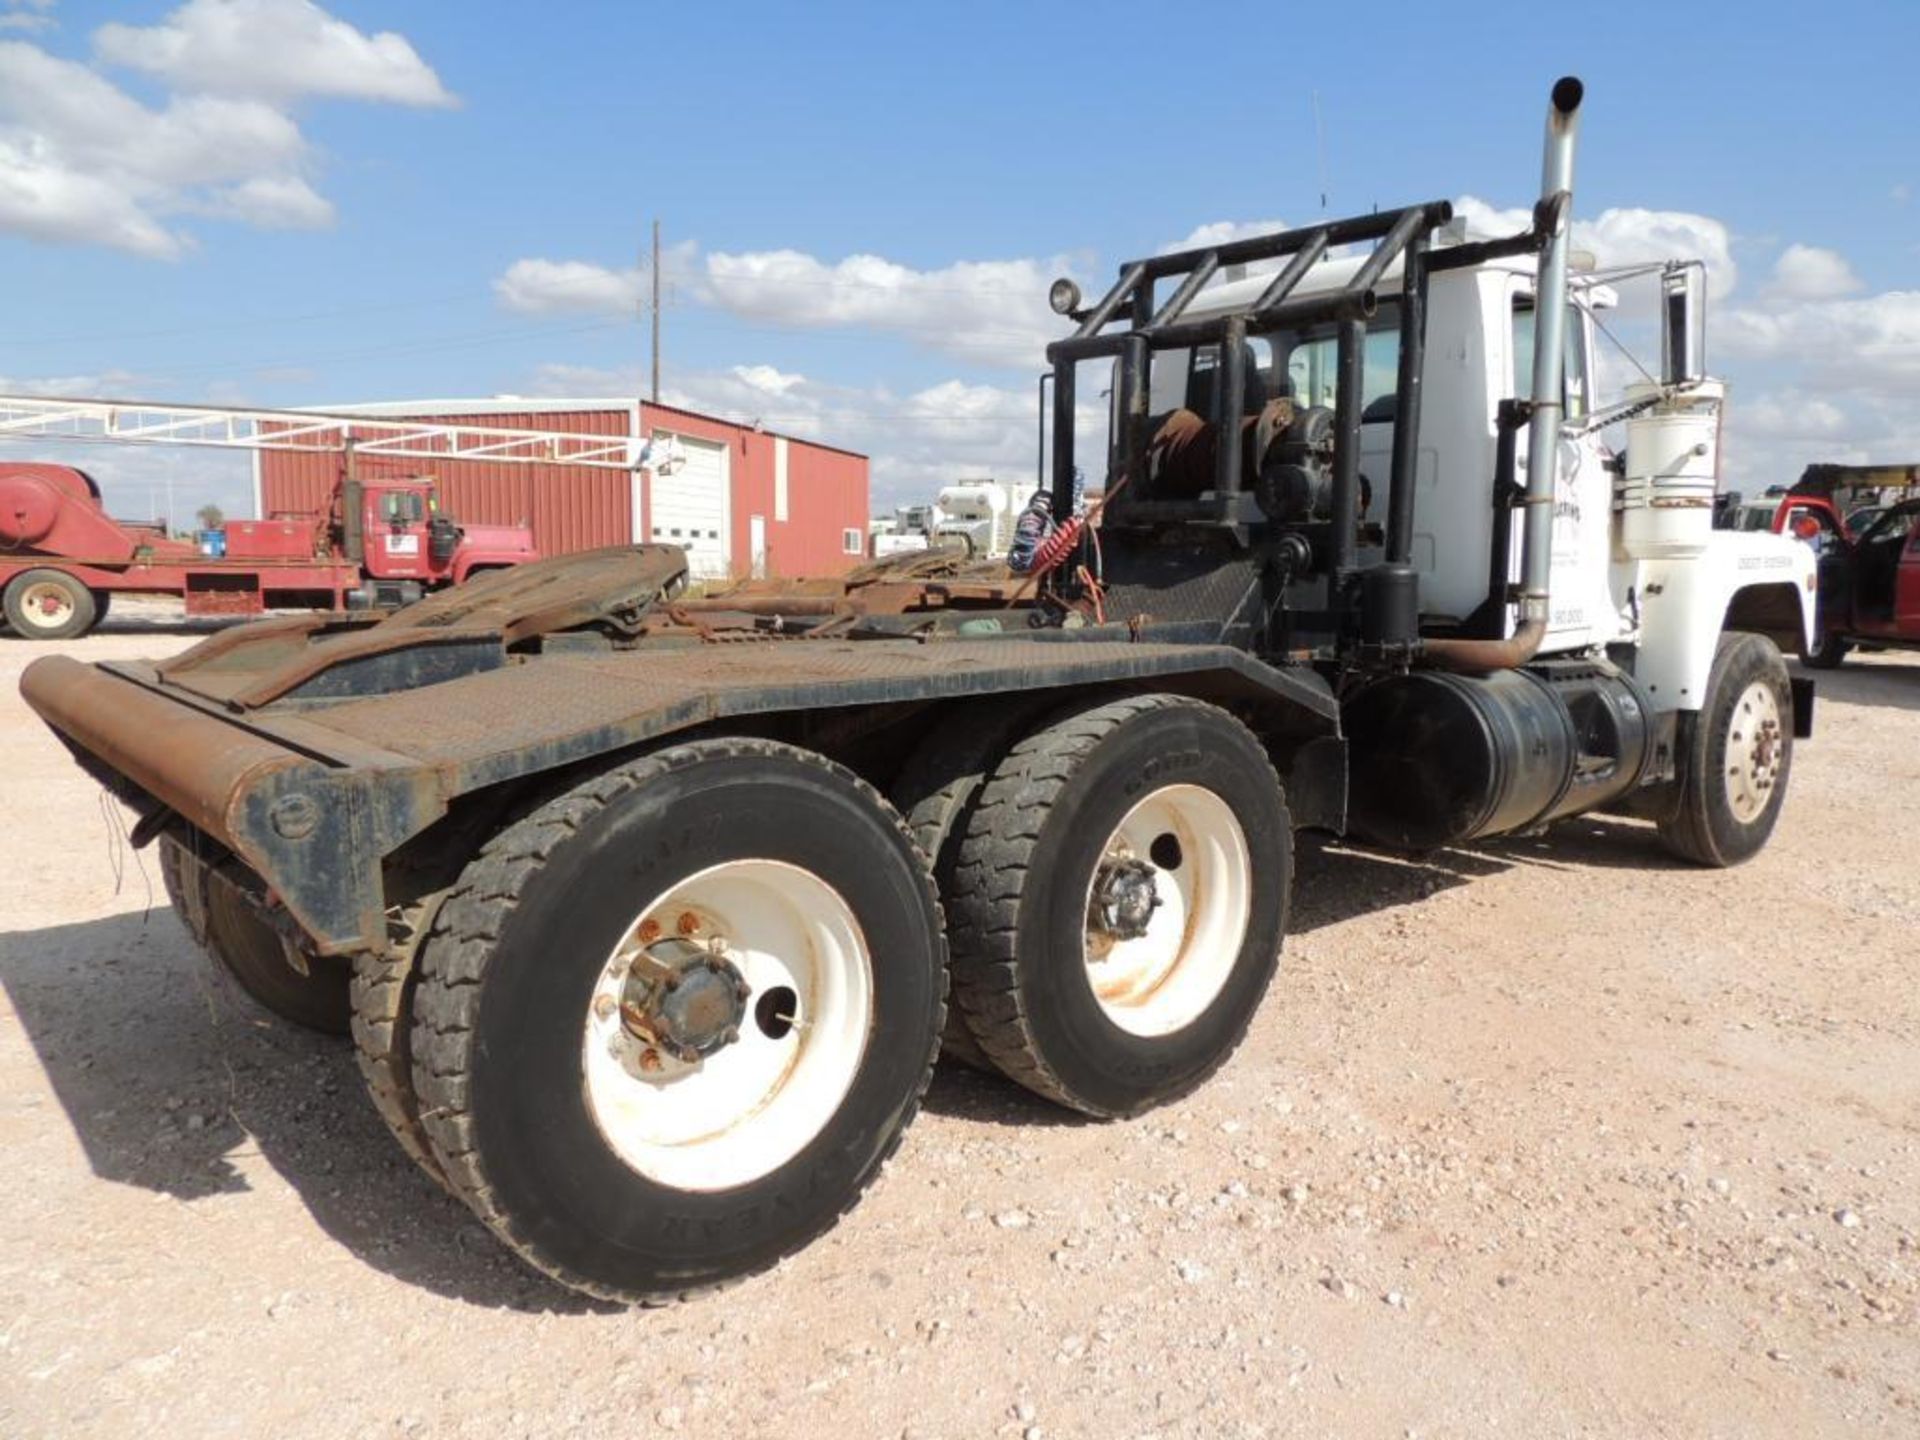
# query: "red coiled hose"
[[1057, 546]]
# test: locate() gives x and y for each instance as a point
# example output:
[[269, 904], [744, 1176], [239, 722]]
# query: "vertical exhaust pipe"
[[1553, 217]]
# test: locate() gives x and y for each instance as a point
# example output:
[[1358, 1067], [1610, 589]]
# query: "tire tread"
[[992, 873], [459, 948]]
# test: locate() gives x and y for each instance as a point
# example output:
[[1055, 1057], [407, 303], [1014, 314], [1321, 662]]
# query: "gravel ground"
[[1545, 1138]]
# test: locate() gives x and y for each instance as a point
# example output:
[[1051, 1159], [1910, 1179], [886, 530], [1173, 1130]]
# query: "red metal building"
[[745, 502]]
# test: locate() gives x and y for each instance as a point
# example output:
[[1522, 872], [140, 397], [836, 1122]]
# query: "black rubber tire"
[[1018, 901], [382, 994], [1703, 828], [79, 620], [1826, 652], [249, 950], [506, 974], [936, 791]]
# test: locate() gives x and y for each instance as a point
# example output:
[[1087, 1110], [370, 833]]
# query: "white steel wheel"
[[1754, 751], [670, 1025], [48, 605], [1167, 910], [1119, 901], [45, 605], [792, 947], [1736, 756]]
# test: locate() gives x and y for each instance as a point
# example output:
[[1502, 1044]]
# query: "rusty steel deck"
[[314, 747]]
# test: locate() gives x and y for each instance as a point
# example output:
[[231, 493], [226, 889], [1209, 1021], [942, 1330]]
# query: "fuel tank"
[[1440, 759]]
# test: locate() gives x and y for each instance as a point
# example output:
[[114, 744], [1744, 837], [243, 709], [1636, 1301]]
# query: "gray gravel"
[[1547, 1138]]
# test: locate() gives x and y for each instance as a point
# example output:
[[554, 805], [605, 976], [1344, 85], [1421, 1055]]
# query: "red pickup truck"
[[1869, 557]]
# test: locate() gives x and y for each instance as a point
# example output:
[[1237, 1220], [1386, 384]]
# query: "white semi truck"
[[650, 914]]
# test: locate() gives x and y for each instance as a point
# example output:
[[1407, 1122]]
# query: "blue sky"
[[267, 201]]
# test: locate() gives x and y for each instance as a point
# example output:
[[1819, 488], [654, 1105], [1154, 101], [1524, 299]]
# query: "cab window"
[[401, 507], [1313, 367], [1574, 381]]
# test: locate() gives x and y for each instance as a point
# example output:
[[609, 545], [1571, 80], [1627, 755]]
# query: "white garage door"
[[692, 507]]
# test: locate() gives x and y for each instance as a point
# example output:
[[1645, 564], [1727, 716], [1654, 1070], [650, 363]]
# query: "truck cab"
[[403, 536], [1657, 606]]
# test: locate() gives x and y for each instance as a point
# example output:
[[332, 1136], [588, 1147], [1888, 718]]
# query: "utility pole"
[[656, 312]]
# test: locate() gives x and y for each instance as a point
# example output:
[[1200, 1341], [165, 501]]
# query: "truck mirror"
[[1683, 322]]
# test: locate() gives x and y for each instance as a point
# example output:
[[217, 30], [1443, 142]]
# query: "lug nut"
[[602, 1006], [649, 1059], [689, 923], [649, 931]]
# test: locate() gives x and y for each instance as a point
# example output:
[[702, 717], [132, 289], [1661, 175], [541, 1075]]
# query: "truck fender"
[[1760, 582], [468, 561]]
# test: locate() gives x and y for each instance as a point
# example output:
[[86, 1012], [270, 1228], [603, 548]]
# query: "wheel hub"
[[1756, 750], [684, 997], [1124, 898], [46, 604]]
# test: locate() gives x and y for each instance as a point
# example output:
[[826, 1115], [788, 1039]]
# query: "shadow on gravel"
[[166, 624], [961, 1092], [1890, 683], [1343, 879], [1336, 880], [169, 1076]]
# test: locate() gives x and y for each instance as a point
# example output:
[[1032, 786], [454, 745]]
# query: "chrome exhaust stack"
[[1552, 220]]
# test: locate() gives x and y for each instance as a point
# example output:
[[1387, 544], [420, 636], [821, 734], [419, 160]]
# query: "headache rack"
[[1405, 234]]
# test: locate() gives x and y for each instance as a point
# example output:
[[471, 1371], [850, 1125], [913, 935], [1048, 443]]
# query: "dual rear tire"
[[1117, 902], [667, 1028]]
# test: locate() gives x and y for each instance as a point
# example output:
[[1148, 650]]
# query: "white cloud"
[[24, 16], [82, 161], [1868, 346], [541, 287], [1626, 235], [278, 50], [990, 312], [1786, 416], [272, 202], [1900, 193], [1809, 272]]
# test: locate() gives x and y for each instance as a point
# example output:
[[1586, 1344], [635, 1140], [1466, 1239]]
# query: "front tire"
[[1738, 755], [48, 605], [1119, 902], [639, 1140]]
